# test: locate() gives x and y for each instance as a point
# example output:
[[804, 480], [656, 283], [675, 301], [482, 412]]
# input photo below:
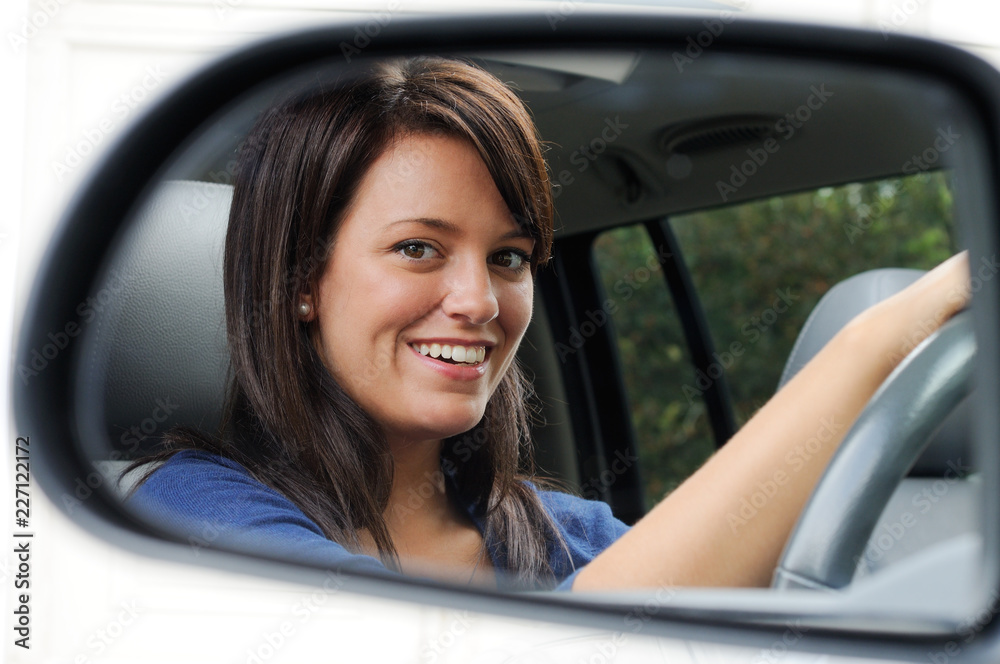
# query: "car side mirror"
[[645, 116]]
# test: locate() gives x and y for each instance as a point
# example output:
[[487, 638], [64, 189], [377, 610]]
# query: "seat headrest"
[[153, 347], [843, 302]]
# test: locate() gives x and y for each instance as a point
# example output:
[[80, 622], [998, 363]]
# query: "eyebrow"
[[441, 224]]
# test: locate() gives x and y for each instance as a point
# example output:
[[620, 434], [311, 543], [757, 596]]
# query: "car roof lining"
[[869, 126]]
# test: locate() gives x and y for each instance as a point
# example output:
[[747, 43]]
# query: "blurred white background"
[[73, 75]]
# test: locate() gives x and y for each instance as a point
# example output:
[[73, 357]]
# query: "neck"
[[418, 485], [432, 535]]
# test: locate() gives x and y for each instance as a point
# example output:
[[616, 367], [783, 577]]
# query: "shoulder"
[[193, 467], [195, 486], [194, 464], [587, 523], [208, 499], [585, 528], [194, 481]]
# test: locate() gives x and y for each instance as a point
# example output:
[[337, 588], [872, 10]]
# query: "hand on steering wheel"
[[873, 458]]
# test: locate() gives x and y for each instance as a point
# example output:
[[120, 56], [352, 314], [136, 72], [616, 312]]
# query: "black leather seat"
[[156, 356]]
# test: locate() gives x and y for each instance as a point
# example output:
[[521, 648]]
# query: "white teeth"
[[459, 354]]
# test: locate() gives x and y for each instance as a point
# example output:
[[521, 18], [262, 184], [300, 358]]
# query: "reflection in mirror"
[[388, 236]]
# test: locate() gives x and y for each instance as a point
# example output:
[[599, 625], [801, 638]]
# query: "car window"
[[672, 431], [758, 269]]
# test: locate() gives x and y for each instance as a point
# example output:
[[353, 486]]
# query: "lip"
[[452, 371]]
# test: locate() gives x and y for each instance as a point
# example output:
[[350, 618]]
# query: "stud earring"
[[304, 309]]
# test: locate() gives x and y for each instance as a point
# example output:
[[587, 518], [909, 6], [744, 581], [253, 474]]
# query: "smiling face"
[[427, 292]]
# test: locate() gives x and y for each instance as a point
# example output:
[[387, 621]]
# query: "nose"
[[469, 292]]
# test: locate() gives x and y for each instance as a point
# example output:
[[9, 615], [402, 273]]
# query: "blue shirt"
[[209, 498]]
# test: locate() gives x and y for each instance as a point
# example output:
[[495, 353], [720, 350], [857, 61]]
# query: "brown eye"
[[415, 250], [510, 259]]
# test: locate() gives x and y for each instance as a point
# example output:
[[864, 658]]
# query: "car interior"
[[632, 138]]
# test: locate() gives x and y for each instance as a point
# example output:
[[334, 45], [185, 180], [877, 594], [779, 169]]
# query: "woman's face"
[[427, 266]]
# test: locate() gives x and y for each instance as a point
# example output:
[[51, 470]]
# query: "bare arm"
[[697, 536]]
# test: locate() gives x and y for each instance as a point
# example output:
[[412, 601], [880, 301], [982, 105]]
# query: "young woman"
[[379, 263]]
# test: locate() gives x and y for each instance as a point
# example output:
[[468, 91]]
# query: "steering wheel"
[[874, 457]]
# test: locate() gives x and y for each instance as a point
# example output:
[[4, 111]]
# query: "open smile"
[[452, 353]]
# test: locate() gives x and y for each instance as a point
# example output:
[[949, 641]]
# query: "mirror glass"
[[703, 208]]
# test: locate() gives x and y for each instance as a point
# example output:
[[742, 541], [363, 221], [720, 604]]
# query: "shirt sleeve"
[[211, 500], [587, 527]]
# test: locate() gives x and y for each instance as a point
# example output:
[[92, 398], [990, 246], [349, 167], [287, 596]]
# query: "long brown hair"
[[286, 419]]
